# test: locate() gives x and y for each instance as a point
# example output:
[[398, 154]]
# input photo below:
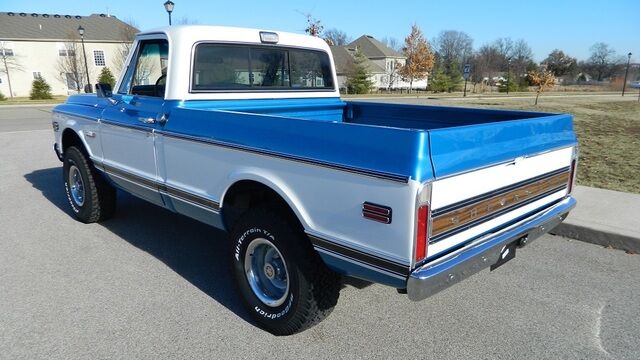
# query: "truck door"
[[127, 127]]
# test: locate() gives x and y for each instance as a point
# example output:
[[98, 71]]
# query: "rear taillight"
[[572, 176], [422, 232]]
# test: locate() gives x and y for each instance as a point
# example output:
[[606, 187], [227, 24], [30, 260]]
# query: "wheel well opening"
[[247, 194], [70, 138]]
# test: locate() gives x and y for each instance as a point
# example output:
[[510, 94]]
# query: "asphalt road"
[[151, 284]]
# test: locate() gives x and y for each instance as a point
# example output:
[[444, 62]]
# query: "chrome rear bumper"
[[482, 253]]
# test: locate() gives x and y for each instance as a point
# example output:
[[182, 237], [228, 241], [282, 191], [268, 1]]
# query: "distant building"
[[382, 64], [48, 45]]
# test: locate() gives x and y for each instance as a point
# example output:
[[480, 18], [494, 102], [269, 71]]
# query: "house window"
[[66, 52], [98, 57], [36, 75], [6, 52]]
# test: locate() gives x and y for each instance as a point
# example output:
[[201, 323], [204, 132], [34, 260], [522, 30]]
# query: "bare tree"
[[392, 43], [504, 47], [602, 60], [69, 64], [485, 65], [314, 26], [521, 58], [392, 74], [559, 63], [452, 49], [187, 21], [127, 35], [336, 37], [9, 63]]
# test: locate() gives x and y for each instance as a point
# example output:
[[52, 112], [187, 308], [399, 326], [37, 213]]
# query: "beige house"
[[382, 64], [50, 46]]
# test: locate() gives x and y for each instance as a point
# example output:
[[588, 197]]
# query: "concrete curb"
[[604, 217], [598, 237]]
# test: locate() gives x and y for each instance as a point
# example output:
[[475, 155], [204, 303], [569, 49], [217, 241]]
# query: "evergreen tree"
[[440, 82], [358, 81], [106, 77], [40, 89]]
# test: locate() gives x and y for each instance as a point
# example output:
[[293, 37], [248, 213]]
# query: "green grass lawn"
[[608, 132], [27, 101]]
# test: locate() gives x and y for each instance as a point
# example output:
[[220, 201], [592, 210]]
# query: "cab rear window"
[[251, 68]]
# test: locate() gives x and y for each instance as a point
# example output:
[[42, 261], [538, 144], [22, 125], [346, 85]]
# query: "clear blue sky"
[[570, 25]]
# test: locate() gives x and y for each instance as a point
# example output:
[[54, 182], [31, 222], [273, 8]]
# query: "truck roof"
[[195, 33], [182, 39]]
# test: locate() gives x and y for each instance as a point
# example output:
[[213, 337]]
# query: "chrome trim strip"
[[74, 115], [364, 265], [189, 197], [128, 126], [164, 189], [136, 179], [448, 270], [360, 171], [359, 256]]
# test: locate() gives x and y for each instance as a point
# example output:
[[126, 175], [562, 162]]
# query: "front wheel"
[[282, 280], [91, 198]]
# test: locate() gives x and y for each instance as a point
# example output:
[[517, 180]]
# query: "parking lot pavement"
[[151, 284], [24, 118]]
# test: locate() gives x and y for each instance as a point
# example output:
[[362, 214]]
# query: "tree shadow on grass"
[[197, 252]]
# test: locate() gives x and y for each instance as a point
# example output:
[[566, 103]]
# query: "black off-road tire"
[[99, 200], [313, 289]]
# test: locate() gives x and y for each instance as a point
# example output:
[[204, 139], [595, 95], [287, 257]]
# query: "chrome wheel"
[[266, 272], [76, 185]]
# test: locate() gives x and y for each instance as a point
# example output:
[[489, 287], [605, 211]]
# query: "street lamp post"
[[168, 5], [626, 72], [508, 73], [87, 88]]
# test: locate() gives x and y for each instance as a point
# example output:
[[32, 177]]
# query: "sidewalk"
[[604, 217]]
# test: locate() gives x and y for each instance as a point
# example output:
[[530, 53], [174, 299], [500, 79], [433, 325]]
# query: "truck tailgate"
[[460, 149], [488, 176]]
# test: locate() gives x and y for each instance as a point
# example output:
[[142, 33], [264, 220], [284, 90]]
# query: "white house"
[[50, 46], [383, 63]]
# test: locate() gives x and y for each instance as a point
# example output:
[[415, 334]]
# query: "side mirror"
[[104, 90]]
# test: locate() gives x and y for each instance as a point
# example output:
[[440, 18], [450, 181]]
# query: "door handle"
[[147, 120]]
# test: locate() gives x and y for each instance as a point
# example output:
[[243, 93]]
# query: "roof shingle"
[[98, 27], [372, 48]]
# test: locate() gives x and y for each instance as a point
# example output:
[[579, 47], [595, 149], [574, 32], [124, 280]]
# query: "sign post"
[[465, 74]]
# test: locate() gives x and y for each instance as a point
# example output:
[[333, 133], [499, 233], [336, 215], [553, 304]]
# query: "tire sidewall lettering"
[[239, 244], [68, 164], [269, 315]]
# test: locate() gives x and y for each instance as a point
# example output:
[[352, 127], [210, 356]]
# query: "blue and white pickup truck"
[[245, 130]]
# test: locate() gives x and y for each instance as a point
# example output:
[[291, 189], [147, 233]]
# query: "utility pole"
[[626, 72], [508, 74]]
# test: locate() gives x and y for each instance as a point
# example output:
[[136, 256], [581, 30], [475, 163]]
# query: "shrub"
[[2, 97], [514, 84], [106, 77], [40, 89]]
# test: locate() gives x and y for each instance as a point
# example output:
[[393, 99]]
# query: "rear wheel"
[[282, 280], [91, 198]]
